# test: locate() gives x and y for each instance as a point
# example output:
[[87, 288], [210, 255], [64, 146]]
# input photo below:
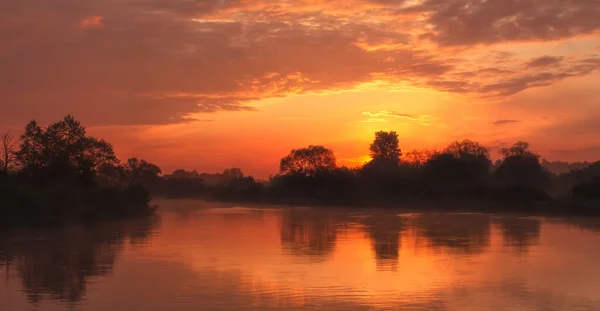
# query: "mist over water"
[[196, 255]]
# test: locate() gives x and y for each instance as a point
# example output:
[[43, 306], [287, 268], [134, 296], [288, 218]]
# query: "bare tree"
[[9, 144]]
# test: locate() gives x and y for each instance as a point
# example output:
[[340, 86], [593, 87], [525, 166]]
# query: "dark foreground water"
[[200, 256]]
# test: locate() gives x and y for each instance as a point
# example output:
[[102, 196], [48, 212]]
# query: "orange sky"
[[211, 84]]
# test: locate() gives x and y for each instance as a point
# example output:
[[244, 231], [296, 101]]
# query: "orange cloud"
[[544, 61], [92, 22], [385, 115]]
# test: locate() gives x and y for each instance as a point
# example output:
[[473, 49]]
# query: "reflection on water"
[[202, 256], [58, 263], [384, 232], [310, 235], [455, 233], [519, 233]]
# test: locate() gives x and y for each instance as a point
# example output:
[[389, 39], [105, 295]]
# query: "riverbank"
[[555, 207], [25, 204]]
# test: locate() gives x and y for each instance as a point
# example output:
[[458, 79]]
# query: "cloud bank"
[[131, 62]]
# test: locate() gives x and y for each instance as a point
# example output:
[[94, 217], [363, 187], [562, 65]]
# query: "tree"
[[110, 174], [183, 174], [462, 165], [141, 172], [8, 152], [567, 181], [386, 147], [308, 161], [31, 154], [418, 158], [521, 167], [468, 149], [232, 173], [520, 149], [63, 151]]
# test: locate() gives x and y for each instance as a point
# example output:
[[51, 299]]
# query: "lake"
[[195, 255]]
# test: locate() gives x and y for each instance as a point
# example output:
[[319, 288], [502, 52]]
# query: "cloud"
[[510, 80], [134, 59], [452, 86], [373, 120], [393, 114], [294, 118], [505, 122], [519, 83], [385, 115], [103, 76], [515, 85], [544, 61], [470, 22]]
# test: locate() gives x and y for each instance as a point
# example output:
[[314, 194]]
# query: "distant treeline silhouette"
[[461, 172], [57, 174]]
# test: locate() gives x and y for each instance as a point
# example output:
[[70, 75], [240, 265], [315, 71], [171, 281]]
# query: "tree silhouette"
[[141, 172], [8, 152], [519, 149], [521, 168], [566, 182], [31, 154], [63, 151], [183, 174], [386, 147], [382, 177], [308, 161], [460, 168], [418, 158], [469, 150], [562, 167], [65, 175], [232, 173]]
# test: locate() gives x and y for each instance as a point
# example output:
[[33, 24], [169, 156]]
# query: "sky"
[[213, 84]]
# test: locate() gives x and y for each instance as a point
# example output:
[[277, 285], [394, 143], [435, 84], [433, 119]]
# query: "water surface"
[[204, 256]]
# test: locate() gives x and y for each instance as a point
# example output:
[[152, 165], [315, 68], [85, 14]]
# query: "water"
[[205, 256]]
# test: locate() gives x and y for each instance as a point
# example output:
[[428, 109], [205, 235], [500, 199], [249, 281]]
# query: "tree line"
[[462, 171], [59, 172]]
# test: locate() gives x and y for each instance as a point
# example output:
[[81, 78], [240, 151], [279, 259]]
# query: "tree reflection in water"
[[465, 234], [519, 233], [310, 234], [59, 263], [384, 231]]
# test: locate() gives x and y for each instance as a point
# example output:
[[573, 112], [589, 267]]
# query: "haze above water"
[[204, 256]]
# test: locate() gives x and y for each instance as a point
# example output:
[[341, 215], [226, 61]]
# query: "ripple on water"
[[198, 256]]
